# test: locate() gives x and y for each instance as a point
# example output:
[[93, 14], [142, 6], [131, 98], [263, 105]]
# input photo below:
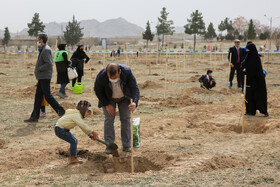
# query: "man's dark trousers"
[[236, 68], [43, 89]]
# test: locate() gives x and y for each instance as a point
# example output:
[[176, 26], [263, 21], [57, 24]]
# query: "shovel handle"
[[105, 143]]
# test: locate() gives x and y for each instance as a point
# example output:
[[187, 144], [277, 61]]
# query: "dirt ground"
[[191, 137]]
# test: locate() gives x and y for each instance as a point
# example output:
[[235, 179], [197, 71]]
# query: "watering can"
[[78, 87]]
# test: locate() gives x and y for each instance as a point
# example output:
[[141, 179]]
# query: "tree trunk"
[[162, 41], [147, 44], [194, 42]]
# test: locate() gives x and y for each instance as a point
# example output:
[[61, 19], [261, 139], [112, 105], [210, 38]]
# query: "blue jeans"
[[62, 88], [66, 135]]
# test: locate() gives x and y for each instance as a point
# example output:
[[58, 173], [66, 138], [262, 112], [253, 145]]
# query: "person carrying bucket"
[[62, 63], [72, 118], [78, 59]]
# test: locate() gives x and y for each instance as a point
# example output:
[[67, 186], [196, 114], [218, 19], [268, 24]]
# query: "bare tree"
[[240, 24]]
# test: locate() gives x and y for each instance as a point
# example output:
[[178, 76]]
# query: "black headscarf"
[[61, 46], [79, 50], [80, 54]]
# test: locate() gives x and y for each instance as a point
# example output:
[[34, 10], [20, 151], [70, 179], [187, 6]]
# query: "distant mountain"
[[92, 28]]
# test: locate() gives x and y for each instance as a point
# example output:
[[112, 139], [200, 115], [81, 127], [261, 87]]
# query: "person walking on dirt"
[[116, 85], [78, 59], [238, 54], [207, 81], [256, 93], [72, 118], [43, 72], [62, 63]]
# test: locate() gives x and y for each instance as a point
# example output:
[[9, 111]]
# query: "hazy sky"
[[15, 14]]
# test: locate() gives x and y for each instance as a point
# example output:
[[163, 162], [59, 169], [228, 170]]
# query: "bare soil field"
[[191, 137]]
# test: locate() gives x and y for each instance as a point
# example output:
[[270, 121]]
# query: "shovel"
[[112, 146]]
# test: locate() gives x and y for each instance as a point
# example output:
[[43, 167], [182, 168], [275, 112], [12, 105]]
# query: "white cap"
[[236, 40]]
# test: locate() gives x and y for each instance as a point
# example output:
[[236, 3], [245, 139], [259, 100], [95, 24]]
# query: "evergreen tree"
[[7, 37], [226, 24], [165, 26], [210, 34], [251, 30], [221, 27], [148, 35], [73, 33], [195, 26], [36, 26]]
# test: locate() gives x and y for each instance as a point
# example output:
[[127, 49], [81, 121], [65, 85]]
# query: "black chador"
[[256, 94]]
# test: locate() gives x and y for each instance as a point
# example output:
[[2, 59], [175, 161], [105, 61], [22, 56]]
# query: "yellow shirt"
[[71, 119]]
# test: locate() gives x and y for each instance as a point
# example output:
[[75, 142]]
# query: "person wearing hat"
[[71, 119], [43, 72], [238, 54], [207, 81], [61, 61], [116, 85]]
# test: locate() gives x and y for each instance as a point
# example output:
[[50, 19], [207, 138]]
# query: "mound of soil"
[[103, 163], [26, 159], [149, 84], [27, 91], [68, 105], [150, 99], [220, 162], [256, 126], [194, 78], [180, 101], [2, 144]]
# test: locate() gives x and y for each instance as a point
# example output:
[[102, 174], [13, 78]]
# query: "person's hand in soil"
[[111, 110], [132, 107], [94, 135]]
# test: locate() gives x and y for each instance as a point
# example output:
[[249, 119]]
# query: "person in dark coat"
[[43, 73], [207, 81], [116, 85], [256, 93], [78, 59], [238, 54], [61, 61]]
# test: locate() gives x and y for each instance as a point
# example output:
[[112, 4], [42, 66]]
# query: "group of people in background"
[[245, 61], [62, 62]]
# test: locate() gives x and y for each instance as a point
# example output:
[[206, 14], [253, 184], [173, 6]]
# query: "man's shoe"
[[75, 160], [127, 149], [31, 120], [108, 151], [61, 95], [65, 95], [266, 115]]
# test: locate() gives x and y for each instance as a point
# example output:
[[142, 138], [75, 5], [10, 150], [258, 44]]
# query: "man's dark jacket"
[[234, 56], [103, 87], [206, 82]]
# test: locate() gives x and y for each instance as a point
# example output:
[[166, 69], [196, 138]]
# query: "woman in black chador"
[[256, 95], [78, 58]]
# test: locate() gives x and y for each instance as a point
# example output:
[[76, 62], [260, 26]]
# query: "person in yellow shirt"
[[71, 119]]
